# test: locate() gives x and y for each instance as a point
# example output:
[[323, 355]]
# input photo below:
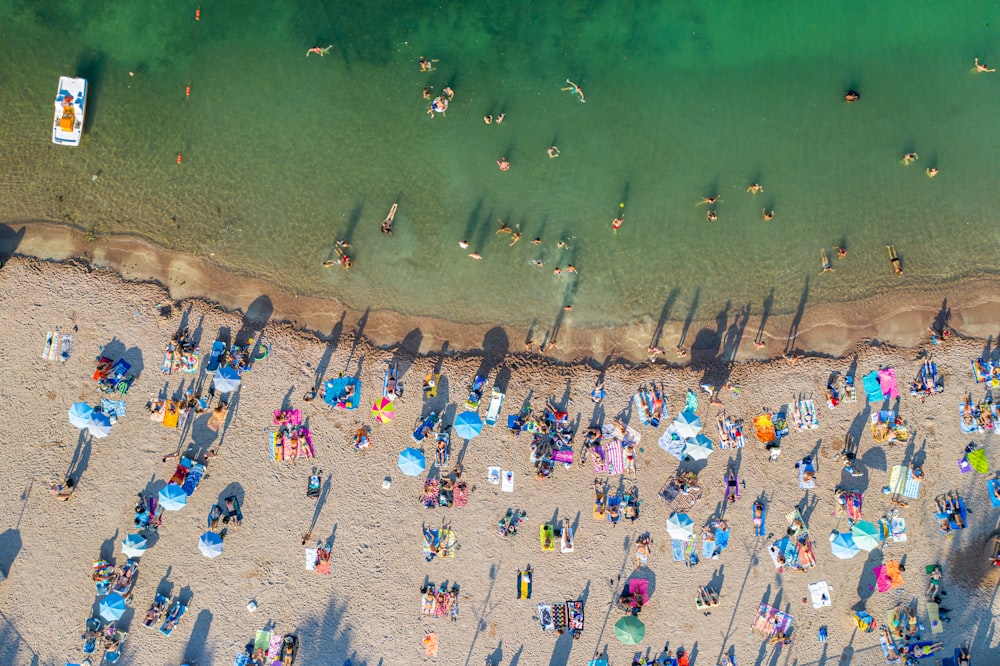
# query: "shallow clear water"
[[285, 154]]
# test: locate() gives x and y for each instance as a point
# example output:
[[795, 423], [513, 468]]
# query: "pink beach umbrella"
[[383, 410]]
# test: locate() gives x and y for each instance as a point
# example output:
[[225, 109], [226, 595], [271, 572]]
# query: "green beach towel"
[[872, 387], [977, 459]]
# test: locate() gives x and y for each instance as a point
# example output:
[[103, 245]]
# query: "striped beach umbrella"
[[383, 410]]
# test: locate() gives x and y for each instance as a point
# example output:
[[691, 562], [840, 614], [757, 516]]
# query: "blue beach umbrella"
[[210, 544], [468, 425], [134, 545], [79, 415], [100, 425], [687, 424], [173, 497], [698, 448], [412, 462], [226, 380], [680, 526], [112, 607], [843, 545]]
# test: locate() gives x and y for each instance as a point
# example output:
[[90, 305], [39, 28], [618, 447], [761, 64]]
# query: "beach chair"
[[496, 402], [442, 444], [425, 428], [475, 394], [391, 386], [103, 575], [125, 581], [431, 382], [173, 618], [112, 656], [612, 508], [91, 633], [524, 583], [631, 503], [216, 357], [547, 538], [156, 610]]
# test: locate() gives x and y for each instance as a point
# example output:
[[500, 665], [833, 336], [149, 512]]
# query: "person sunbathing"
[[964, 656], [758, 513], [642, 552], [890, 646]]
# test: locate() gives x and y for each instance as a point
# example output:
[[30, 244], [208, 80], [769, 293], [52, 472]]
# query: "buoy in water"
[[197, 14], [187, 91], [180, 158]]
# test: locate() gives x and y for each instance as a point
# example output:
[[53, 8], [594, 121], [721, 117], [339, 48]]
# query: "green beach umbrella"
[[630, 630], [865, 535]]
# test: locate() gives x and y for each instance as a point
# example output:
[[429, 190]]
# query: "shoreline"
[[822, 329]]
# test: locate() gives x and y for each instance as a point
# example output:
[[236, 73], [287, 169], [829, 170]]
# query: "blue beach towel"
[[677, 546], [721, 540], [114, 409], [873, 389], [991, 487]]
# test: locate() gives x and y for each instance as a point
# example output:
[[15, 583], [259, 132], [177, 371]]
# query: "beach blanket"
[[803, 468], [950, 517], [887, 382], [820, 593], [902, 482], [873, 389], [677, 500], [57, 346], [614, 457], [113, 409], [977, 460], [770, 621], [677, 548], [545, 617], [431, 644], [888, 576], [507, 481]]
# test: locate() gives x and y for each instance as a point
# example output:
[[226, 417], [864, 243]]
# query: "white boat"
[[71, 103]]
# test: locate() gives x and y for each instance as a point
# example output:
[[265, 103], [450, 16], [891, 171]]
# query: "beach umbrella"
[[112, 607], [671, 442], [680, 526], [866, 536], [134, 545], [411, 462], [226, 380], [79, 415], [630, 630], [100, 425], [383, 410], [687, 424], [210, 544], [173, 497], [698, 448], [843, 545], [468, 425]]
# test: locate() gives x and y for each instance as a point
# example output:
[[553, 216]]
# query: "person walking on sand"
[[826, 261], [755, 189], [894, 259], [319, 50], [575, 89], [981, 68]]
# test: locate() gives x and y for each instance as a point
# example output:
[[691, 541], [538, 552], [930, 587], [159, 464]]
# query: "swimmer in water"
[[427, 92], [709, 200], [931, 172], [503, 164], [515, 236], [616, 223], [501, 117], [448, 92], [557, 271], [463, 244], [894, 259], [475, 255], [319, 50], [562, 245], [426, 65], [826, 261], [537, 262], [755, 189], [504, 229], [768, 215], [981, 67], [575, 89], [553, 152], [851, 96], [841, 252], [910, 158], [536, 241], [572, 269], [712, 216], [488, 119]]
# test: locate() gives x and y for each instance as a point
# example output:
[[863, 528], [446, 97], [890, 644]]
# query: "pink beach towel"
[[615, 457], [887, 381], [563, 456]]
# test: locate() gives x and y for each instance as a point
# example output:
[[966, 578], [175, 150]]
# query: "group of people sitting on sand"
[[441, 601], [949, 511], [180, 346]]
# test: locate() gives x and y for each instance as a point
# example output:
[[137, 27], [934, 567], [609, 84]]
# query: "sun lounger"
[[342, 393], [125, 580], [431, 385], [496, 402], [92, 632], [173, 618], [524, 583], [547, 538], [156, 609], [215, 357], [112, 656], [103, 575], [475, 394], [425, 428]]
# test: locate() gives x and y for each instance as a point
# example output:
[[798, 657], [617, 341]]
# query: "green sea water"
[[284, 154]]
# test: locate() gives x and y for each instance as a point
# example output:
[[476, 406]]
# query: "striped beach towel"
[[615, 457], [902, 482]]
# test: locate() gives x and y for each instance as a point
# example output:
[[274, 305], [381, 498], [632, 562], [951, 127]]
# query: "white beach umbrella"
[[79, 415], [210, 544], [698, 448], [99, 426], [134, 545], [687, 424], [680, 526], [226, 380]]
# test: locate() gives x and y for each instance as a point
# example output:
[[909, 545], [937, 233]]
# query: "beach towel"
[[758, 523], [884, 642], [614, 456], [977, 460], [524, 584], [431, 644], [461, 495], [888, 576], [770, 621], [560, 616], [493, 475], [887, 382], [507, 481], [274, 650], [113, 409], [432, 489], [873, 389], [546, 536], [934, 615], [642, 408], [803, 468], [897, 528], [545, 617], [820, 593], [950, 517], [902, 482], [970, 425], [563, 456], [576, 618], [734, 429], [677, 548], [428, 604], [691, 401], [993, 489]]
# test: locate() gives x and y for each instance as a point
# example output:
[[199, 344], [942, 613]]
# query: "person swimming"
[[617, 223], [710, 200], [981, 67], [841, 252], [894, 259], [488, 119], [712, 216], [931, 172], [319, 50], [553, 151], [504, 164], [826, 261], [575, 89], [910, 158], [768, 215], [851, 96], [755, 189], [426, 65]]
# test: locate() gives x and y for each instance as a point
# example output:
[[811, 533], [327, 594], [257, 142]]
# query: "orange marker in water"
[[197, 14], [187, 91], [180, 158]]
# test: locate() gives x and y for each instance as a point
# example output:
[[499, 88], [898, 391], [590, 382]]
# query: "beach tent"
[[468, 425], [134, 545], [112, 607], [698, 448], [99, 426], [866, 535], [687, 424], [630, 630], [680, 526], [843, 546], [173, 497], [210, 544], [79, 415]]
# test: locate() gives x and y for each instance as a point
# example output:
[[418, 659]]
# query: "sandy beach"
[[368, 609]]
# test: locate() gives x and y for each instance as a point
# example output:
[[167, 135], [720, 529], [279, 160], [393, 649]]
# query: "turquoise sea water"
[[285, 154]]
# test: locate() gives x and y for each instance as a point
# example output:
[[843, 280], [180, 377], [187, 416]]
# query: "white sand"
[[369, 608]]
